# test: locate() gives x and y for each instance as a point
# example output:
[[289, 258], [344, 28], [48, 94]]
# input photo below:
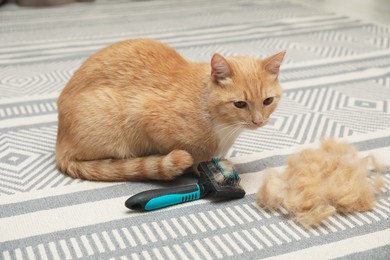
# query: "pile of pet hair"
[[317, 183]]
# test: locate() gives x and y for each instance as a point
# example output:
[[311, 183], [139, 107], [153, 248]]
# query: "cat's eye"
[[240, 104], [268, 101]]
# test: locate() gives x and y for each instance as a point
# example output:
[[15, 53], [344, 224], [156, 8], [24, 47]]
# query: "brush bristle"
[[228, 174]]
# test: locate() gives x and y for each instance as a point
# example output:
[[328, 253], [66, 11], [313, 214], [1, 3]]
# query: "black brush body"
[[218, 178]]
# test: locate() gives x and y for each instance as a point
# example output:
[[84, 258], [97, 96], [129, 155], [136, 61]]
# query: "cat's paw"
[[179, 160]]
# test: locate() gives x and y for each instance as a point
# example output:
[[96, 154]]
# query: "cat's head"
[[244, 90]]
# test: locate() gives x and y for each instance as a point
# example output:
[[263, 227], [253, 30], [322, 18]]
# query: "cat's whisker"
[[238, 129], [224, 127], [225, 141], [228, 125], [217, 131]]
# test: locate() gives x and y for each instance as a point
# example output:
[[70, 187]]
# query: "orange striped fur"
[[137, 110]]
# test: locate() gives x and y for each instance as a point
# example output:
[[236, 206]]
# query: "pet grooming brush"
[[217, 178]]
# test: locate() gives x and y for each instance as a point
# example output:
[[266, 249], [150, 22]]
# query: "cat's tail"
[[164, 167]]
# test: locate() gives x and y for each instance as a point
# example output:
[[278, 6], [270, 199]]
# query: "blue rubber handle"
[[161, 198]]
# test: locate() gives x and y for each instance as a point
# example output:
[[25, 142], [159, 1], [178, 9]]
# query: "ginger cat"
[[137, 110]]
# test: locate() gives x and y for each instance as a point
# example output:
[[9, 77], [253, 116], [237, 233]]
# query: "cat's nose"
[[257, 121]]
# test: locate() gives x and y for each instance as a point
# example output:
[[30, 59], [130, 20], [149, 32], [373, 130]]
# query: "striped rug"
[[336, 79]]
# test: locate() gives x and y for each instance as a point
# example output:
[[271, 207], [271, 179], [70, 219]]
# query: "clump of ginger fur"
[[317, 183]]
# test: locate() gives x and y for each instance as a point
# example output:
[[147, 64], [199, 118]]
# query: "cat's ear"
[[221, 72], [272, 64]]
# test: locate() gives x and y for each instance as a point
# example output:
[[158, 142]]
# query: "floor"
[[336, 82], [370, 10]]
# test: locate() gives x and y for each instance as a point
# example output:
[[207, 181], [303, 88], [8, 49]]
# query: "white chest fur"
[[226, 135]]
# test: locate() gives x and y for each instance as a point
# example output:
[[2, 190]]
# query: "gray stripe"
[[344, 26], [179, 33], [333, 63], [124, 189], [31, 104], [279, 160], [321, 69], [318, 85], [28, 126], [81, 197], [285, 246], [220, 40], [379, 253]]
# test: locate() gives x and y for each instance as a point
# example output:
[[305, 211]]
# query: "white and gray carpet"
[[337, 84]]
